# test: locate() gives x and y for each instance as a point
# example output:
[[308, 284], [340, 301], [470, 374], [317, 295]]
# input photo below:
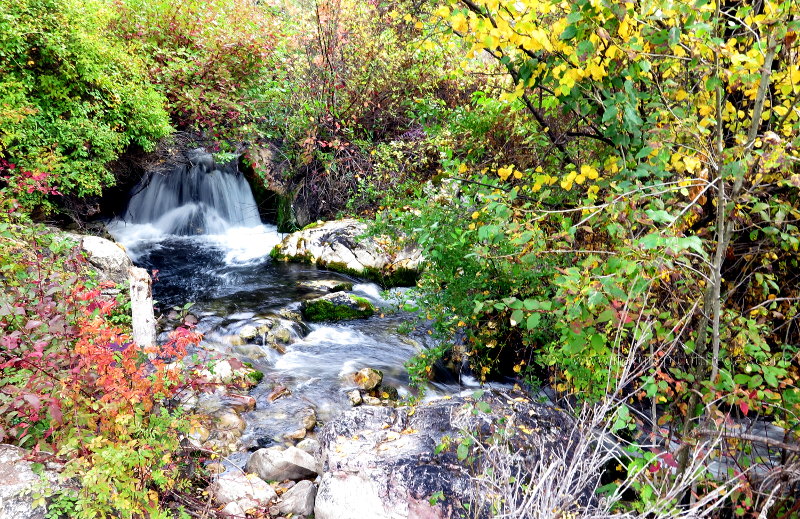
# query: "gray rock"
[[299, 500], [17, 481], [108, 257], [277, 464], [380, 462], [368, 378], [309, 445], [246, 490], [336, 245]]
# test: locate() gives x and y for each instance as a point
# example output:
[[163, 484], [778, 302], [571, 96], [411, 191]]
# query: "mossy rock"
[[338, 306], [253, 374]]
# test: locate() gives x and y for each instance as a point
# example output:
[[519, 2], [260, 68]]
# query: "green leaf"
[[570, 32], [462, 452], [517, 317], [533, 321]]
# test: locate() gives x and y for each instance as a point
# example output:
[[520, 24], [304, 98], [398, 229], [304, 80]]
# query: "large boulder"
[[278, 464], [337, 245], [18, 483], [381, 462], [338, 306], [107, 257], [247, 491]]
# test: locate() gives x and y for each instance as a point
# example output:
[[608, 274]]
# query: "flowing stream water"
[[198, 226]]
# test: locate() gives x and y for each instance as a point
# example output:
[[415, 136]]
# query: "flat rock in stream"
[[337, 245], [380, 462]]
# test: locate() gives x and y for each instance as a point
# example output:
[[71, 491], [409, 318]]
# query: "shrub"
[[75, 387], [72, 97]]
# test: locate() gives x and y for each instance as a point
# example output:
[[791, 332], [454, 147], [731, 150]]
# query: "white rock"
[[355, 397], [233, 509], [349, 496], [277, 464], [299, 500], [247, 490], [17, 481], [337, 242], [108, 257]]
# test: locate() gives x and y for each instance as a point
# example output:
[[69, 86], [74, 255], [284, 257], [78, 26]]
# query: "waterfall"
[[205, 202], [201, 197]]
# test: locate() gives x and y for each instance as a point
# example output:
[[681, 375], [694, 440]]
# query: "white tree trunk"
[[143, 320]]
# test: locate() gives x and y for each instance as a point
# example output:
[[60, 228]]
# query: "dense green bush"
[[72, 97]]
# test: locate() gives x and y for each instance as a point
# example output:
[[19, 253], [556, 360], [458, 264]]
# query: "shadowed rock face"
[[380, 462]]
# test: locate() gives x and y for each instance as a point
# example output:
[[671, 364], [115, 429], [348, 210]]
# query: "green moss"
[[278, 255], [324, 309], [254, 375], [313, 225], [400, 277]]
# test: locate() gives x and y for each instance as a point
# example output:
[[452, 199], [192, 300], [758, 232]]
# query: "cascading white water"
[[202, 199]]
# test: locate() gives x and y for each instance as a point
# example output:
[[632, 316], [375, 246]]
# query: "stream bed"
[[202, 251]]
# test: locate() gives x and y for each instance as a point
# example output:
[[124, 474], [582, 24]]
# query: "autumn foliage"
[[74, 386]]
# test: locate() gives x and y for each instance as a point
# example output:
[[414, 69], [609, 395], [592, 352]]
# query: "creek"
[[197, 227]]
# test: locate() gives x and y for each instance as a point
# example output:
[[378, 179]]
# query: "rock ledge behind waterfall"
[[337, 245]]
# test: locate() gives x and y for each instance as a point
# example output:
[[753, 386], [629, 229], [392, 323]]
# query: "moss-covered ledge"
[[338, 306], [339, 246]]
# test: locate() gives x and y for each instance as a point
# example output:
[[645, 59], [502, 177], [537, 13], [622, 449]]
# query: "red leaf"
[[669, 459], [744, 407], [55, 413], [33, 400]]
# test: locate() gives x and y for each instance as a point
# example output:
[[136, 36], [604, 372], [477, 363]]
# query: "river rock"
[[17, 481], [299, 500], [355, 397], [278, 464], [336, 246], [327, 285], [336, 307], [368, 378], [239, 403], [371, 400], [198, 434], [230, 421], [107, 257], [248, 491], [308, 419], [309, 445], [380, 462]]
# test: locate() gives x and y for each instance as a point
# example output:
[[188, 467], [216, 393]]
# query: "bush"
[[75, 387], [72, 97], [213, 60]]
